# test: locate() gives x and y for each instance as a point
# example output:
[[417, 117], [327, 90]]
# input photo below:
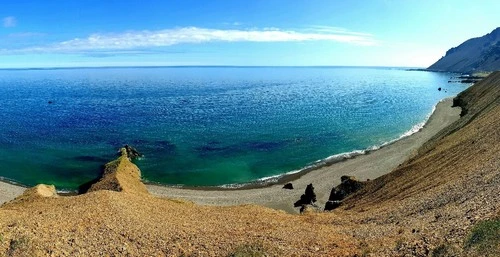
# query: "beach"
[[363, 167], [9, 191]]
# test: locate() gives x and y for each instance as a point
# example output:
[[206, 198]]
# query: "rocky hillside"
[[445, 201], [451, 184], [473, 55]]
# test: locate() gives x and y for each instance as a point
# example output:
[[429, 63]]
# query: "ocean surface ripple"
[[204, 126]]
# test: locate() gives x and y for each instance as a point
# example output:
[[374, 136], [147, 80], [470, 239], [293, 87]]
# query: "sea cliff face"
[[474, 55], [429, 206]]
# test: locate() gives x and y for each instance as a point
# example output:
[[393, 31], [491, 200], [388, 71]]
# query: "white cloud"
[[9, 21], [26, 35], [337, 30], [192, 35]]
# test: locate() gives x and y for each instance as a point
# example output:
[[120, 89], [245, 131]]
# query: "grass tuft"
[[485, 238], [248, 250], [18, 245], [444, 250]]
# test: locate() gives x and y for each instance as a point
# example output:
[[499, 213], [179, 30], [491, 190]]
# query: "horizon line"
[[211, 66]]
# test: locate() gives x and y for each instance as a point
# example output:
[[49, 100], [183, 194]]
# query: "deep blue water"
[[202, 125]]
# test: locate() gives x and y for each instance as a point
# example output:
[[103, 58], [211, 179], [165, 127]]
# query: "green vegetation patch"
[[445, 250], [18, 245], [485, 238], [248, 250]]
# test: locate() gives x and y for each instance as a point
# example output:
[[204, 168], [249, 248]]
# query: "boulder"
[[309, 197], [288, 186], [348, 185]]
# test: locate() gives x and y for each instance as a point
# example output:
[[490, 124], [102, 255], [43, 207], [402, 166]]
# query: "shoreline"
[[323, 174], [370, 165], [321, 163]]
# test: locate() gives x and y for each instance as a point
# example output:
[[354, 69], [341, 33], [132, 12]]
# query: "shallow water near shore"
[[203, 126]]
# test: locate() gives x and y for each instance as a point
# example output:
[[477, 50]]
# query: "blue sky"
[[410, 33]]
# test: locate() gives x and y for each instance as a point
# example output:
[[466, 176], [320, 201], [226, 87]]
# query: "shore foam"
[[270, 180]]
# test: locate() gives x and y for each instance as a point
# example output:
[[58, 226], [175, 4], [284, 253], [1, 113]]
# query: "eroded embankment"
[[449, 186]]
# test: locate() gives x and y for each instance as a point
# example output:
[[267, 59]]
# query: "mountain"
[[473, 55]]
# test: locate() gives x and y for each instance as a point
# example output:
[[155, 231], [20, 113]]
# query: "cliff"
[[474, 55], [431, 205]]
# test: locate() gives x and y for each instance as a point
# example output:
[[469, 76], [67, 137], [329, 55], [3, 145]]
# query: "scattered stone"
[[288, 186]]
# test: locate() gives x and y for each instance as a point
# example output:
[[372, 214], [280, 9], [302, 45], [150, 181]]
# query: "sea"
[[204, 126]]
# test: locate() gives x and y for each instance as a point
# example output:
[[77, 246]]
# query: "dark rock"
[[337, 194], [439, 89], [348, 185], [331, 205], [309, 197], [288, 186], [51, 102], [459, 102], [132, 153]]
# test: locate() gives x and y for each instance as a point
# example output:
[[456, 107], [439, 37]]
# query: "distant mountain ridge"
[[473, 55]]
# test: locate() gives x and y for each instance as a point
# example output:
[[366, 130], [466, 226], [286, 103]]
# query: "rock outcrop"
[[476, 54], [132, 153], [309, 197], [121, 175], [348, 185]]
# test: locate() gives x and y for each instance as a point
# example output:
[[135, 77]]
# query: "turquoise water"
[[202, 126]]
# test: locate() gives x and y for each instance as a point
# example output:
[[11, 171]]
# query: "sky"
[[90, 33]]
